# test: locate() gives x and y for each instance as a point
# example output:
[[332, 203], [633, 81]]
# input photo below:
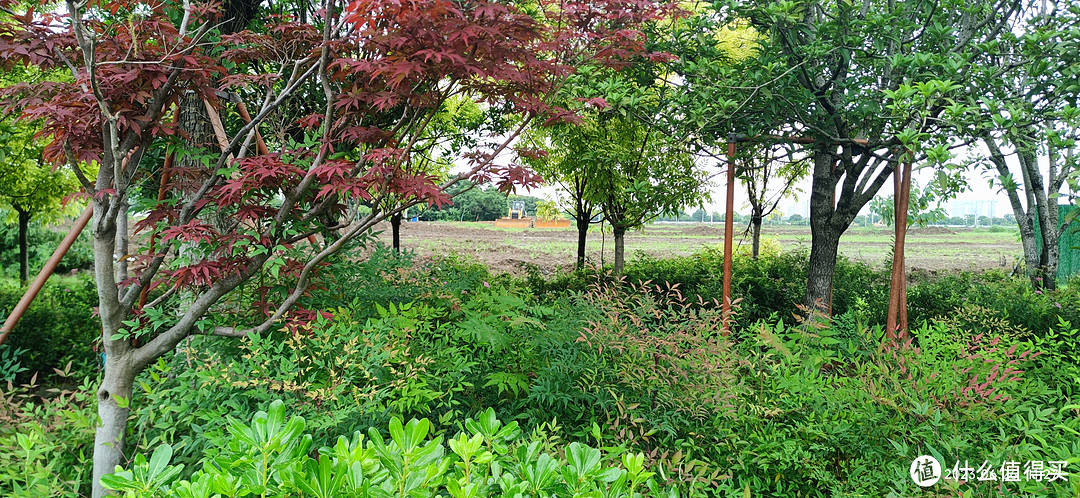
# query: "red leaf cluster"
[[388, 71]]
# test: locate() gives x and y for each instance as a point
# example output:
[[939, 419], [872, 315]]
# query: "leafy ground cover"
[[591, 369]]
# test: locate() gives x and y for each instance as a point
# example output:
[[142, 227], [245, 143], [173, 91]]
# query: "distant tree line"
[[477, 204]]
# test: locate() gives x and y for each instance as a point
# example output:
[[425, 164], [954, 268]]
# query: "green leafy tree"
[[923, 207], [638, 173], [861, 83], [548, 210], [769, 174], [558, 158], [1032, 117], [31, 188]]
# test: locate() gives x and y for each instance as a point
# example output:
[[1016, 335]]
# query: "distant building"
[[798, 207], [976, 208]]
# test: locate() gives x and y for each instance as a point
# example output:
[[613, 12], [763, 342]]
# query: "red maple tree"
[[378, 73]]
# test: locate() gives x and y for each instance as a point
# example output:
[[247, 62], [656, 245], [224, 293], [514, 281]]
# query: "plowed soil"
[[504, 249]]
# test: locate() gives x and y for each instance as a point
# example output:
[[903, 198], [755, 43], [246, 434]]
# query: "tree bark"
[[395, 230], [119, 371], [619, 234], [582, 233], [1045, 273], [823, 249], [122, 243], [1037, 262], [24, 246], [114, 396], [755, 233]]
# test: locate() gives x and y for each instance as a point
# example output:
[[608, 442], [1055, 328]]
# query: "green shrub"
[[271, 457], [337, 373], [41, 242], [778, 409], [60, 326], [1011, 298], [46, 443], [775, 283]]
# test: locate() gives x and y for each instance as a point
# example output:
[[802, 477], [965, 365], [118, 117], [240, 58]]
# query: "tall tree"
[[637, 174], [30, 187], [1034, 116], [865, 82], [383, 69], [562, 163], [769, 173]]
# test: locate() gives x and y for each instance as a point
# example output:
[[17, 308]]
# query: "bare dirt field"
[[505, 249]]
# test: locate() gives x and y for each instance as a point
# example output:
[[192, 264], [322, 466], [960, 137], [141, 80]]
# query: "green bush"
[[773, 284], [788, 410], [46, 443], [271, 457], [60, 326], [1011, 298], [338, 374], [815, 408], [41, 242]]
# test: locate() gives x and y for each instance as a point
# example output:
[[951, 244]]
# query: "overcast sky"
[[977, 180]]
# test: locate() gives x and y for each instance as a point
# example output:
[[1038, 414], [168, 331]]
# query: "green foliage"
[[941, 296], [772, 284], [548, 210], [270, 457], [385, 277], [9, 362], [337, 373], [478, 204], [58, 328], [41, 242], [46, 442], [920, 212], [637, 369]]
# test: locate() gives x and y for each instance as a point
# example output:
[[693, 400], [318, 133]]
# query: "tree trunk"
[[1052, 237], [619, 234], [119, 372], [109, 437], [823, 249], [755, 234], [1047, 227], [582, 233], [1025, 219], [395, 230], [824, 237], [24, 246], [122, 243]]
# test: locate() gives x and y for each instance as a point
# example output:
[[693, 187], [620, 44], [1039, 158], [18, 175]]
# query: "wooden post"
[[259, 143], [897, 319], [45, 272], [728, 231]]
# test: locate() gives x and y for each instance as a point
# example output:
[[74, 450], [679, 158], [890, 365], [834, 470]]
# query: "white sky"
[[977, 180]]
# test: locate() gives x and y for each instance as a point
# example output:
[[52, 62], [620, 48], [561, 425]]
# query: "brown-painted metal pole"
[[728, 232], [166, 175], [897, 320], [905, 189], [45, 272], [259, 143], [894, 285]]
